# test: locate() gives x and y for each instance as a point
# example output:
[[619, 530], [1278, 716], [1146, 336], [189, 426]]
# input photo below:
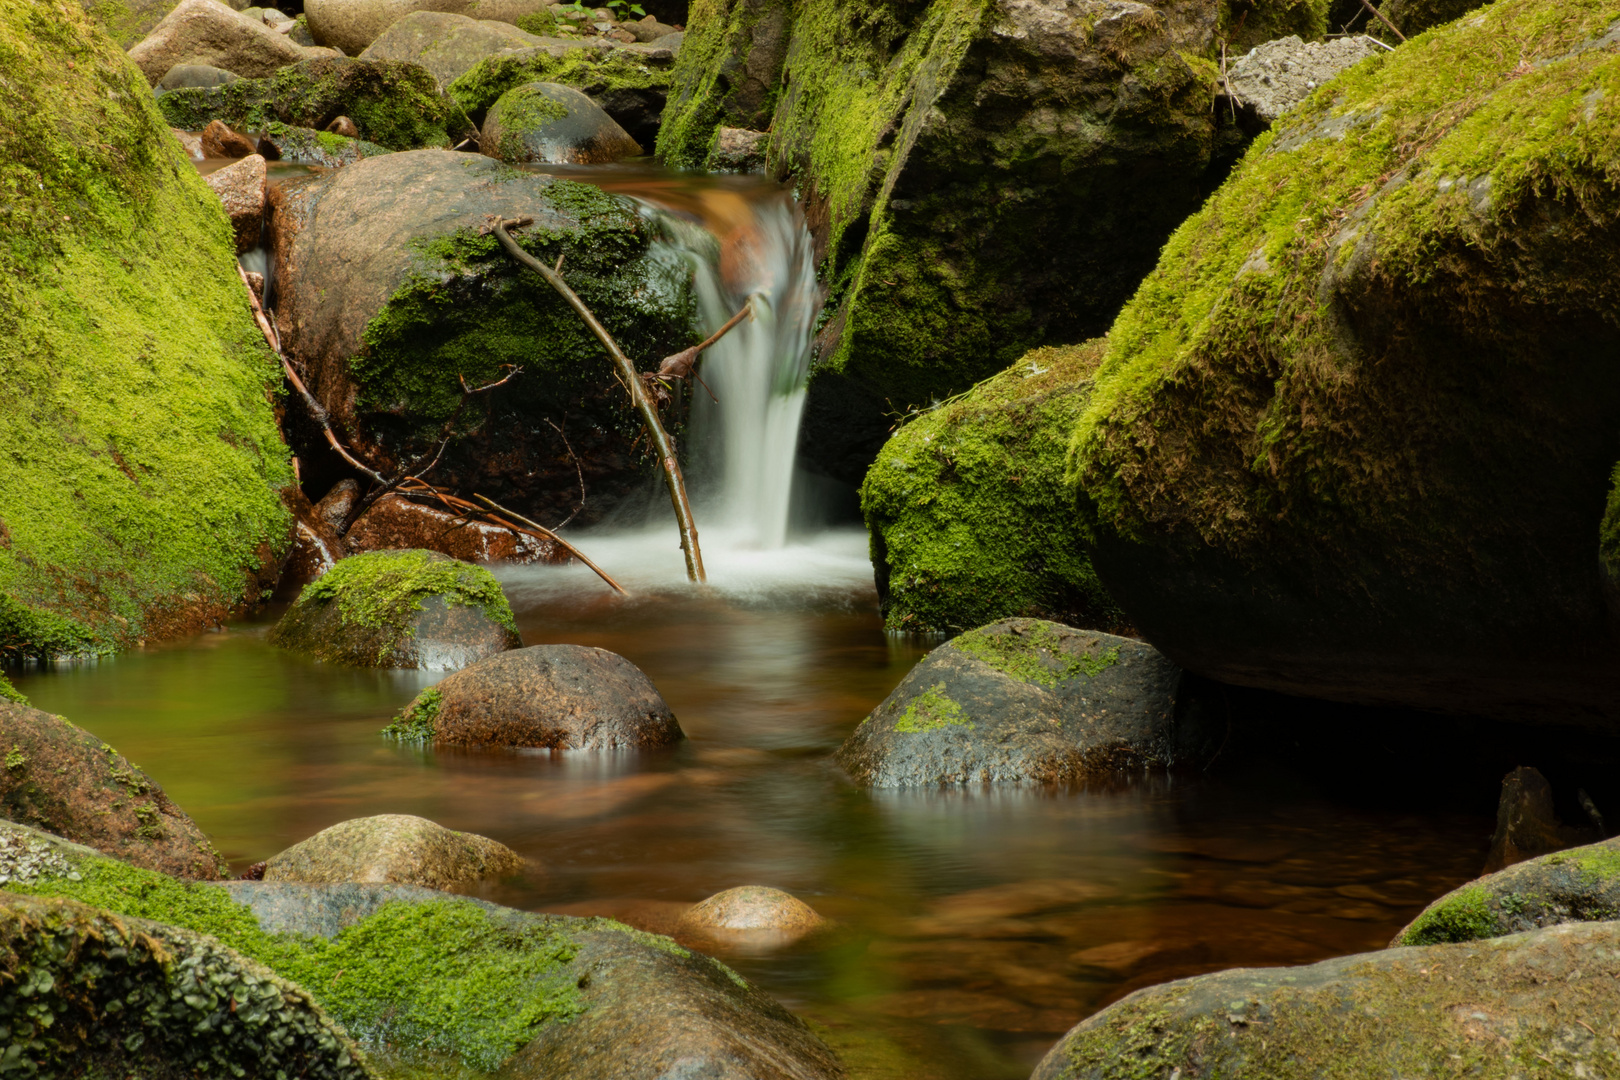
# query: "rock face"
[[60, 778], [737, 150], [370, 254], [208, 32], [1495, 1004], [968, 509], [393, 104], [1026, 700], [488, 988], [352, 25], [945, 149], [135, 374], [1274, 77], [394, 522], [133, 997], [561, 697], [749, 916], [402, 609], [553, 124], [394, 849], [445, 43], [240, 188], [1416, 471]]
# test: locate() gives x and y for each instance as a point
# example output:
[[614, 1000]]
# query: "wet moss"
[[932, 710], [415, 723], [1465, 915], [715, 50], [1035, 655], [142, 460], [968, 511], [538, 23], [590, 71]]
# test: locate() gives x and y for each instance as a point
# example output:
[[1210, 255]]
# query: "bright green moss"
[[538, 23], [441, 976], [141, 460], [590, 71], [932, 710], [967, 508], [10, 693], [1464, 915], [128, 21], [415, 723], [383, 589], [1609, 529], [1035, 655], [1599, 862]]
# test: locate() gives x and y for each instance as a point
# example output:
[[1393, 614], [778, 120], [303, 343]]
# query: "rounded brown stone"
[[397, 849], [752, 908]]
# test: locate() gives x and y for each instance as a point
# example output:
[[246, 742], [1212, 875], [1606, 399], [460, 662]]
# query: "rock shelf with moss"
[[969, 516], [1358, 427], [136, 380], [601, 74]]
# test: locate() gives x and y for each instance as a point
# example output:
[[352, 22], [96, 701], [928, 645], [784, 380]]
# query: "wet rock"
[[445, 43], [393, 104], [353, 25], [1495, 1004], [1272, 78], [368, 255], [1346, 564], [192, 144], [152, 999], [1026, 700], [561, 697], [1527, 825], [737, 150], [394, 849], [554, 124], [219, 141], [241, 188], [183, 75], [62, 779], [402, 609], [750, 915], [396, 522], [335, 506], [208, 32], [629, 82], [306, 146], [969, 509], [316, 546]]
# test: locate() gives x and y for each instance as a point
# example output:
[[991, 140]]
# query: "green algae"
[[415, 723], [932, 710], [588, 70], [142, 461], [967, 508], [383, 590], [1035, 655]]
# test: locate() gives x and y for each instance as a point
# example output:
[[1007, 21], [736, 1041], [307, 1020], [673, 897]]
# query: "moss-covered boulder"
[[1027, 700], [391, 291], [969, 515], [402, 609], [91, 993], [1577, 885], [548, 123], [138, 495], [395, 849], [306, 146], [1496, 1010], [983, 176], [60, 778], [445, 43], [393, 103], [438, 985], [1353, 438]]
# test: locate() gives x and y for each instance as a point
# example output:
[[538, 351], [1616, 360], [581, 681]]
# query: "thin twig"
[[638, 396], [578, 554], [1381, 18], [578, 469]]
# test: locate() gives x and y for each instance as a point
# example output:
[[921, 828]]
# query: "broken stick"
[[572, 550]]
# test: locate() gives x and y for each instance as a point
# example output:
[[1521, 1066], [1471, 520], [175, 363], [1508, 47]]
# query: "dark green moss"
[[519, 115], [415, 723], [538, 23], [590, 71]]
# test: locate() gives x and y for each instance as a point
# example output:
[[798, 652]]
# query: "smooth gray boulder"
[[183, 75], [553, 124], [445, 43], [1025, 699]]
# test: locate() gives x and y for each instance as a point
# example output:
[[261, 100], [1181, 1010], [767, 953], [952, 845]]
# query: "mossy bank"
[[139, 491]]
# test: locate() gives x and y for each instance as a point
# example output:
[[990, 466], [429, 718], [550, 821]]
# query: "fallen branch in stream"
[[639, 397], [683, 365], [578, 554]]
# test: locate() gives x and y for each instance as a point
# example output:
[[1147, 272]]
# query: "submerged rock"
[[968, 507], [561, 697], [373, 255], [60, 778], [1274, 77], [554, 124], [240, 188], [749, 917], [630, 83], [395, 849], [1417, 470], [401, 609], [100, 994], [1494, 1004], [1578, 885], [445, 43], [142, 458], [1026, 700], [392, 103], [208, 32]]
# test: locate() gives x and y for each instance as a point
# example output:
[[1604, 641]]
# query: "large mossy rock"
[[1353, 438], [92, 993], [552, 124], [391, 292], [968, 511], [445, 43], [1026, 700], [1496, 1010], [444, 985], [400, 609], [1576, 885], [60, 778], [138, 494], [394, 849], [393, 103], [982, 176]]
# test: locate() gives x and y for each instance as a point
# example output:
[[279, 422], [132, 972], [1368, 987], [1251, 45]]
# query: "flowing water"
[[977, 923]]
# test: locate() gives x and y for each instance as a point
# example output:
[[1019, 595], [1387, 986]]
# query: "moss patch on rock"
[[415, 722], [969, 514], [1036, 653], [142, 460], [931, 710], [593, 72], [395, 104], [10, 694], [128, 21], [306, 146]]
